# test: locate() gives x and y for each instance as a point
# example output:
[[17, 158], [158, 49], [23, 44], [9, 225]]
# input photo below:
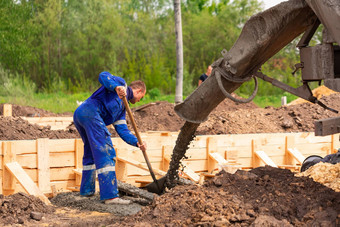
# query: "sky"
[[271, 3]]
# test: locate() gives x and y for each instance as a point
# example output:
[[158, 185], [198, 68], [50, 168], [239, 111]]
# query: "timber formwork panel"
[[51, 163]]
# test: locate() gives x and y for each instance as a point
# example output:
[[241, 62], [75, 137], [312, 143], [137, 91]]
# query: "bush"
[[154, 93]]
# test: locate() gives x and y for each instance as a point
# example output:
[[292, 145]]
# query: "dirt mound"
[[15, 128], [324, 173], [318, 92], [29, 111], [227, 118], [263, 195], [20, 208]]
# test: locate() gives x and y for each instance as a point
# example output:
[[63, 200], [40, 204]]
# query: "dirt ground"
[[264, 196]]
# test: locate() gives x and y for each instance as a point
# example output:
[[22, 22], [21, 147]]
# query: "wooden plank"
[[154, 142], [1, 182], [55, 160], [296, 154], [191, 174], [9, 182], [62, 159], [166, 154], [30, 187], [310, 149], [140, 165], [56, 174], [218, 158], [78, 174], [60, 186], [289, 143], [62, 145], [78, 154], [211, 148], [49, 120], [121, 167], [43, 165], [310, 138], [335, 143], [7, 110], [144, 106], [265, 158], [197, 165], [25, 147]]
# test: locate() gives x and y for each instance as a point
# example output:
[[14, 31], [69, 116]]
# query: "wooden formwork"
[[54, 165]]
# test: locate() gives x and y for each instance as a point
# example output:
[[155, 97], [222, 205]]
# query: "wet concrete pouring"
[[264, 196]]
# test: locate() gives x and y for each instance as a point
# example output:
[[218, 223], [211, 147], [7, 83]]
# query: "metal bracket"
[[303, 91], [297, 67]]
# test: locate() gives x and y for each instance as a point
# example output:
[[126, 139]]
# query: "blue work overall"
[[103, 108]]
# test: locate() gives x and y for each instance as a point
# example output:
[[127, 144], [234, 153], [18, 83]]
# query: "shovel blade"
[[157, 186]]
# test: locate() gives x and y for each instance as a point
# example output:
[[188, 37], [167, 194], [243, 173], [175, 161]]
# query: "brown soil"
[[264, 196], [227, 118]]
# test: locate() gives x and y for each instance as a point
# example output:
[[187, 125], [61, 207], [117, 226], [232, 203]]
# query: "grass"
[[275, 101]]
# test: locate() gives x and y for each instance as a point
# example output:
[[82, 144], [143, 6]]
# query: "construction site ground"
[[264, 196]]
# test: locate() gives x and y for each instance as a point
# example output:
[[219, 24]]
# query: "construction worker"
[[105, 107], [205, 75]]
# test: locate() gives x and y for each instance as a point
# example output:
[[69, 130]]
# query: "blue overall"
[[102, 108]]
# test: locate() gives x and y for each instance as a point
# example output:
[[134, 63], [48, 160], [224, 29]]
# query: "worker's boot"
[[117, 200]]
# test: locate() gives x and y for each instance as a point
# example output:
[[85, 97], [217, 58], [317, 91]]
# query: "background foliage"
[[52, 46]]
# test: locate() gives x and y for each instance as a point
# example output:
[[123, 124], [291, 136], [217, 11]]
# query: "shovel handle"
[[128, 110]]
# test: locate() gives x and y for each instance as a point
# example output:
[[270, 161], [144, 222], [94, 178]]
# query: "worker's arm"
[[110, 81], [124, 132]]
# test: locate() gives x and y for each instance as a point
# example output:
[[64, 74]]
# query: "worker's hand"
[[121, 91], [142, 146]]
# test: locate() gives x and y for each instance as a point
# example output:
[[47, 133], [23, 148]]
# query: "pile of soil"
[[227, 118], [20, 208], [15, 128], [264, 196], [29, 111], [325, 173]]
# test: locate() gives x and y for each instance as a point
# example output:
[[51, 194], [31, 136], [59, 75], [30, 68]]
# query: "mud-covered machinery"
[[263, 35]]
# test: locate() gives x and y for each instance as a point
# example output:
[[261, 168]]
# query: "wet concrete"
[[74, 200]]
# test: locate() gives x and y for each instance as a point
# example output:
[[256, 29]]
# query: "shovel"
[[158, 185]]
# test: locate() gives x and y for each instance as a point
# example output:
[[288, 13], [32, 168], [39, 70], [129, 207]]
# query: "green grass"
[[275, 101]]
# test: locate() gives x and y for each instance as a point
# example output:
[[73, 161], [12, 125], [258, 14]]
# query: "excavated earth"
[[264, 196]]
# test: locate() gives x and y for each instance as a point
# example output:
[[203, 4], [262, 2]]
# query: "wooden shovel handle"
[[128, 110], [127, 107]]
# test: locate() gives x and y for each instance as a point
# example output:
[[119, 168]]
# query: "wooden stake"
[[78, 154], [121, 167], [166, 157], [211, 147], [7, 110], [43, 165], [9, 181]]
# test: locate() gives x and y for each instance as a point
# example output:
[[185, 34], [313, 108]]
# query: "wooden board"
[[265, 158], [7, 110]]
